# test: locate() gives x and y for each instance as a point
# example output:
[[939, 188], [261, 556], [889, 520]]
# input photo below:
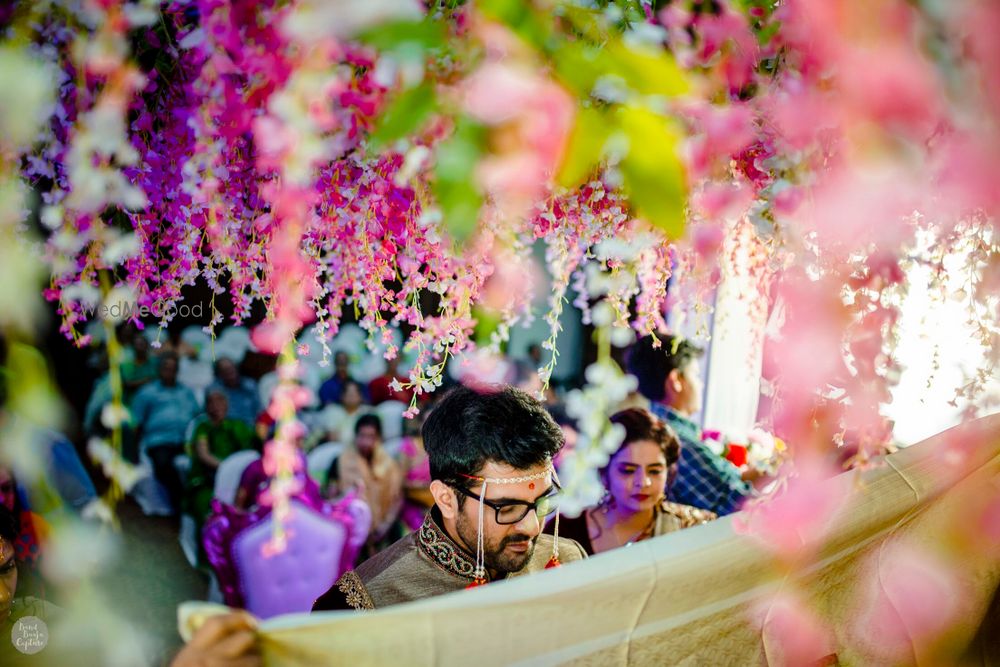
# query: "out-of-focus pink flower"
[[966, 164], [989, 524], [721, 132], [482, 368], [892, 85], [271, 337], [807, 356], [800, 114], [909, 599], [510, 282], [727, 33], [981, 22], [273, 140], [707, 239], [799, 517], [534, 116], [859, 205], [791, 633], [715, 200]]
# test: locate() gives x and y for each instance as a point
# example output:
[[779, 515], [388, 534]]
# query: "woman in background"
[[636, 481], [417, 498]]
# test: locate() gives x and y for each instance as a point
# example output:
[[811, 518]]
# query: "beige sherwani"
[[423, 564]]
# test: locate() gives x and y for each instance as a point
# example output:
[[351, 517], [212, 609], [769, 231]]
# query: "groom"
[[490, 453]]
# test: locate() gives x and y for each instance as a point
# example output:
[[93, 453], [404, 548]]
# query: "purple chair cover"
[[323, 542], [289, 581]]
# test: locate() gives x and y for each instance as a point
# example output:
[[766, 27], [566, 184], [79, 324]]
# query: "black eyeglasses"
[[513, 511]]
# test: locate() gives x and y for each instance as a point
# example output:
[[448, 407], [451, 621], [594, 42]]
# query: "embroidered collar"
[[442, 550]]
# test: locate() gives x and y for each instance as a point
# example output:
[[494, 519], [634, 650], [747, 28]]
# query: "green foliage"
[[487, 322], [526, 22], [646, 72], [654, 175], [454, 183], [618, 86], [586, 147], [404, 115], [391, 37]]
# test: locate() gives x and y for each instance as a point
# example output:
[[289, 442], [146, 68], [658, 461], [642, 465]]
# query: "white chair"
[[349, 338], [196, 375], [266, 386], [391, 415], [311, 376], [233, 342], [227, 476], [481, 366], [320, 459], [193, 426], [189, 539], [151, 496], [311, 340], [370, 367], [196, 337]]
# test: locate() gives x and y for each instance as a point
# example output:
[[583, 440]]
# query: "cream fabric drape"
[[681, 599]]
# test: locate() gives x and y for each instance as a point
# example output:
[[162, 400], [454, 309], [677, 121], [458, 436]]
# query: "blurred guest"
[[63, 469], [331, 390], [62, 466], [256, 479], [162, 411], [244, 403], [335, 422], [14, 607], [32, 532], [380, 389], [140, 370], [670, 377], [416, 470], [636, 479], [366, 467], [212, 442]]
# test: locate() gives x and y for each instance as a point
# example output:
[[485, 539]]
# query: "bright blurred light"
[[938, 351]]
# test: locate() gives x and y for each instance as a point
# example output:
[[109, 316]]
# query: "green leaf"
[[487, 321], [454, 185], [404, 115], [578, 66], [390, 36], [646, 71], [586, 147], [654, 174], [530, 25]]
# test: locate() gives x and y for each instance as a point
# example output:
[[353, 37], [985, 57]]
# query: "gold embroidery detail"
[[442, 551], [354, 591], [688, 515]]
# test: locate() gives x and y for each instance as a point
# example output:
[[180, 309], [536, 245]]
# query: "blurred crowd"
[[198, 421]]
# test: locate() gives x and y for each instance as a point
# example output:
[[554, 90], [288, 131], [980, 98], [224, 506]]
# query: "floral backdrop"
[[401, 160]]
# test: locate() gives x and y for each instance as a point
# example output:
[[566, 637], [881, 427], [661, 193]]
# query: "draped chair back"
[[391, 415], [291, 580], [227, 476], [323, 541]]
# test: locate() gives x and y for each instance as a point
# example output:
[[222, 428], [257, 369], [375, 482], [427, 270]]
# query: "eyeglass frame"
[[498, 506]]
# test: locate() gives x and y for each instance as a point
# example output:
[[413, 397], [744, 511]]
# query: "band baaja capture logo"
[[29, 635]]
